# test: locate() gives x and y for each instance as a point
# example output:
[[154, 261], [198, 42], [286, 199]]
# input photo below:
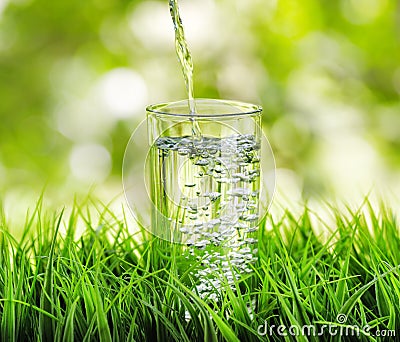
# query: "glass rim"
[[248, 108]]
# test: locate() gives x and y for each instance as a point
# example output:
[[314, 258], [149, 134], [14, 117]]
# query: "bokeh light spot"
[[90, 163], [151, 23], [362, 11], [124, 92]]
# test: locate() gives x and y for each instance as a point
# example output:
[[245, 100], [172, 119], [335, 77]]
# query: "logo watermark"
[[340, 328]]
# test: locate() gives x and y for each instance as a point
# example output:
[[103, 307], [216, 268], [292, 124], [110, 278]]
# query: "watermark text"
[[333, 329]]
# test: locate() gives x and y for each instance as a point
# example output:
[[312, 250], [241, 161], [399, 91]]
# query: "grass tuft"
[[109, 285]]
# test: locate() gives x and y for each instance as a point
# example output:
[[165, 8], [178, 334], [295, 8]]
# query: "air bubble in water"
[[202, 162], [222, 207]]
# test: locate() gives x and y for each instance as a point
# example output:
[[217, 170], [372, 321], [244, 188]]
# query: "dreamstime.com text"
[[332, 329]]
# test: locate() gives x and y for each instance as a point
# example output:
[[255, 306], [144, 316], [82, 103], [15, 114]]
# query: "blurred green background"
[[75, 77]]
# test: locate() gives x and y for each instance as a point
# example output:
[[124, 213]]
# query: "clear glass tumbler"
[[203, 179]]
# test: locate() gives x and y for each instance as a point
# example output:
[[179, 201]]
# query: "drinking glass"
[[204, 181]]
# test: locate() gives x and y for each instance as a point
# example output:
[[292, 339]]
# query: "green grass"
[[108, 285]]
